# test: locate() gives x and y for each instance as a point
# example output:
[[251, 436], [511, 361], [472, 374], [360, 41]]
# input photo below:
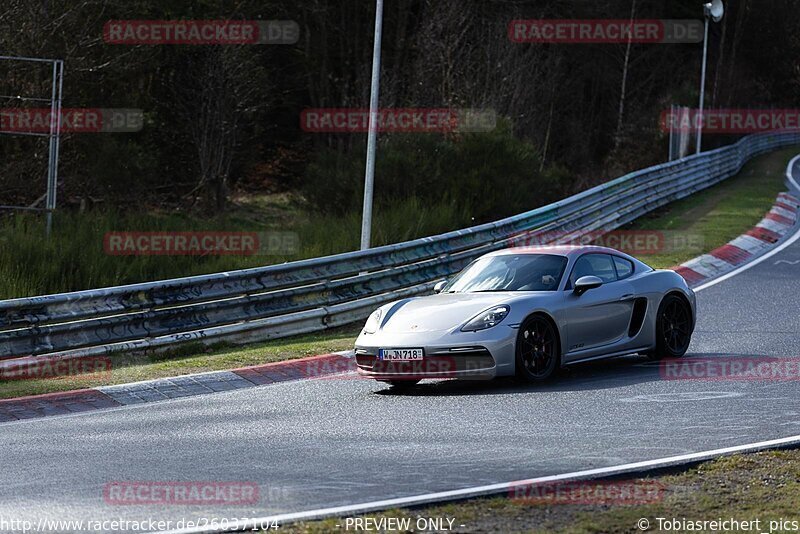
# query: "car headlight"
[[373, 322], [486, 319]]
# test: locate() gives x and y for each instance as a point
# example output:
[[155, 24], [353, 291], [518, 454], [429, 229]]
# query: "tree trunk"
[[623, 89]]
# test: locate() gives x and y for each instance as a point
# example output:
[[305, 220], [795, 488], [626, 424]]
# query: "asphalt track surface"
[[328, 442]]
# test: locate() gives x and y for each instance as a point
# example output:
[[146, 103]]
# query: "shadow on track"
[[606, 374]]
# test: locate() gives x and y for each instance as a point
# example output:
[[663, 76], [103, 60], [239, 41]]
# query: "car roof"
[[559, 250]]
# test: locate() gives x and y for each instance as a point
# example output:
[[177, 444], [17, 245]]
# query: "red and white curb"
[[777, 224], [161, 389]]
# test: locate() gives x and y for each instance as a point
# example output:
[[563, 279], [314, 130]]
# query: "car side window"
[[624, 267], [599, 265]]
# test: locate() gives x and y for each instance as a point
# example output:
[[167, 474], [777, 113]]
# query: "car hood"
[[441, 312]]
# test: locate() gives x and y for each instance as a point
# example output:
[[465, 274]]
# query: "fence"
[[315, 294], [54, 134]]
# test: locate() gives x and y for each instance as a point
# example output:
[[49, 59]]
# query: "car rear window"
[[599, 265], [624, 267]]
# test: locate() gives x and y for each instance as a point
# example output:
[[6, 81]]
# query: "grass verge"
[[712, 218], [188, 359], [763, 486]]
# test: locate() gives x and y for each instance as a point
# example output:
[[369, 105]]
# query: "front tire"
[[673, 328], [538, 354]]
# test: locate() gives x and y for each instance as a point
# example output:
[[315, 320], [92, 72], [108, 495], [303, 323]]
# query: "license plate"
[[401, 355]]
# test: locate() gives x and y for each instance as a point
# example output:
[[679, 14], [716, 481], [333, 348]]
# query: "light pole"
[[372, 134], [714, 10]]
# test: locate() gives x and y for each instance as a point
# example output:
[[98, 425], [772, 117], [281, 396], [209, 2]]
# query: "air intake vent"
[[637, 318]]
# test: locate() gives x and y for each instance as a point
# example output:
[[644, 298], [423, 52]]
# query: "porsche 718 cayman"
[[527, 312]]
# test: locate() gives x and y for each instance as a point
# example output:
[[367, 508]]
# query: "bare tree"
[[219, 88], [621, 111]]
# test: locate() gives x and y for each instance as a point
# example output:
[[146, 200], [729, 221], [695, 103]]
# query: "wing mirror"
[[585, 283], [439, 286]]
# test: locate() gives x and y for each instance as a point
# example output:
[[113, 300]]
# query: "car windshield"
[[510, 272]]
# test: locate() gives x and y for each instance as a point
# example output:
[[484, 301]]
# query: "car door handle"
[[625, 298]]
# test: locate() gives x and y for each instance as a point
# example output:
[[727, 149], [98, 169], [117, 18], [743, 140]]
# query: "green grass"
[[763, 486], [714, 217], [74, 258], [188, 359]]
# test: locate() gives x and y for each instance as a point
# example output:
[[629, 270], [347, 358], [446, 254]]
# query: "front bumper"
[[475, 363], [476, 355]]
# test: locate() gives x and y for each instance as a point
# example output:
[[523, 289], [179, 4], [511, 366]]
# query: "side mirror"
[[585, 283], [439, 286]]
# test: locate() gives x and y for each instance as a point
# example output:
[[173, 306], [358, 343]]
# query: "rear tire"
[[538, 354], [673, 328]]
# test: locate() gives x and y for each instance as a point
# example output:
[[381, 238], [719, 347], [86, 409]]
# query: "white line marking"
[[790, 174], [492, 489], [783, 246]]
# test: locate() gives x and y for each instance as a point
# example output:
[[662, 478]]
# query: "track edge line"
[[496, 489]]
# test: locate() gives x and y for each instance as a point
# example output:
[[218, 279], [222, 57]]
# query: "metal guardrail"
[[315, 294]]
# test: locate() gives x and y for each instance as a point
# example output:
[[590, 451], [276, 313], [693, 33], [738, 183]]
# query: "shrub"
[[487, 175]]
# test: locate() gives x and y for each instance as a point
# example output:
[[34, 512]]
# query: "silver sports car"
[[527, 312]]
